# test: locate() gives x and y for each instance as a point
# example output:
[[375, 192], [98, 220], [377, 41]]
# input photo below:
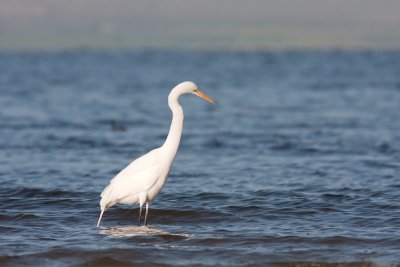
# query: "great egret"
[[143, 179]]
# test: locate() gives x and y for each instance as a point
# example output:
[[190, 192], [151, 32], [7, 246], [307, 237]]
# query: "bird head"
[[192, 88]]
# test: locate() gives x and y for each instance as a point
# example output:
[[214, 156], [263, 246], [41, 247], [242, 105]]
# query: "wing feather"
[[137, 177]]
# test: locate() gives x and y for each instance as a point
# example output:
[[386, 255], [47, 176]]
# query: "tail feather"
[[105, 197], [101, 215]]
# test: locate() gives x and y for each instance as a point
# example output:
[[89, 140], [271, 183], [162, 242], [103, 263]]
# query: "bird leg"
[[140, 213], [147, 211]]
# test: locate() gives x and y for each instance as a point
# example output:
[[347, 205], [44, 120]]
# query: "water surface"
[[298, 164]]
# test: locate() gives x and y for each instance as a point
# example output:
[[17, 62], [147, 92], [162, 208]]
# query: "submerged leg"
[[140, 213], [142, 200], [147, 211]]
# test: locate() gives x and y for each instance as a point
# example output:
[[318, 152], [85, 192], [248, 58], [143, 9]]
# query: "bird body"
[[141, 181]]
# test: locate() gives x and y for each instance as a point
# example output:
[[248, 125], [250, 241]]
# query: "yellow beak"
[[204, 96]]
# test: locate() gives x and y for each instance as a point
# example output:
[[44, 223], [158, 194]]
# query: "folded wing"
[[137, 177]]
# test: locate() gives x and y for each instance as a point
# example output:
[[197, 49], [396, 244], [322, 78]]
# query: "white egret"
[[141, 181]]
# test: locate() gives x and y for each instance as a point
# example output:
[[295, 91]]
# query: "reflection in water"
[[130, 231]]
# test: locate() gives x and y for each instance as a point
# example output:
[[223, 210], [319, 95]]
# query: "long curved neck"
[[175, 131]]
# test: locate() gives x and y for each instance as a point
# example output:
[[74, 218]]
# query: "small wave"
[[328, 264], [336, 197], [109, 261], [50, 125], [244, 208], [340, 240], [215, 143], [36, 192], [17, 217], [386, 148], [283, 146], [212, 196], [381, 164]]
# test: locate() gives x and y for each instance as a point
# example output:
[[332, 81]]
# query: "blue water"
[[297, 165]]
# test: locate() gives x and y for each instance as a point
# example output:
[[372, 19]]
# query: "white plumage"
[[141, 181]]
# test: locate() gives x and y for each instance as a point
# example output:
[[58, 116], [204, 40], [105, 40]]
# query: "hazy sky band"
[[53, 24]]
